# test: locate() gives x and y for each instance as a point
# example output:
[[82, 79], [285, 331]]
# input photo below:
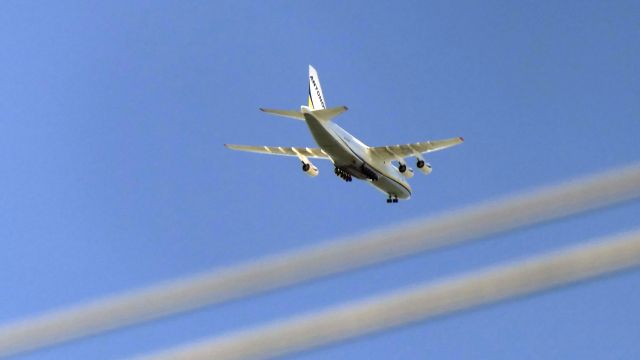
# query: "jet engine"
[[405, 170], [423, 166], [310, 169]]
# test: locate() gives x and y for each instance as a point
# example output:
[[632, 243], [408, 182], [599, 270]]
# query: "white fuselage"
[[352, 156]]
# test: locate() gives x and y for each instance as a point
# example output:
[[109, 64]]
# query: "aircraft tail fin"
[[316, 98], [316, 105]]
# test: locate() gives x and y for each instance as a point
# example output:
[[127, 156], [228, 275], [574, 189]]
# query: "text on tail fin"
[[316, 99]]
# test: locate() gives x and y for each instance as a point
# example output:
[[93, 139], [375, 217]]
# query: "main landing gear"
[[392, 199], [345, 176]]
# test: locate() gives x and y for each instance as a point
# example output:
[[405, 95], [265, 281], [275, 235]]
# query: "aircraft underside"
[[387, 185], [348, 164]]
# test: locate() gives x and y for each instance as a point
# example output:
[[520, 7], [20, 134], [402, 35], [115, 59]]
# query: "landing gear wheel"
[[342, 174]]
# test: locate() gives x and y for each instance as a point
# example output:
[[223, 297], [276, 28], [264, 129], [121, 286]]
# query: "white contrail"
[[419, 303], [320, 260]]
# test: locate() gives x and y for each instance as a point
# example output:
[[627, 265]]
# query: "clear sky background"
[[112, 120]]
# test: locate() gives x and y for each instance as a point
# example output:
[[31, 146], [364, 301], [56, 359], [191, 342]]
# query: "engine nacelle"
[[310, 169], [405, 170], [423, 166]]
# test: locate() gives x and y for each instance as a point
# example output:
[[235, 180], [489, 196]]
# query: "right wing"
[[300, 152], [394, 152]]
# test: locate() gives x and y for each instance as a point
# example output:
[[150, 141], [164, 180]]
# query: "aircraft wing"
[[395, 152], [300, 152]]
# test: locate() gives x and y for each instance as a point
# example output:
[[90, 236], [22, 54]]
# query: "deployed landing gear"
[[342, 174], [392, 199]]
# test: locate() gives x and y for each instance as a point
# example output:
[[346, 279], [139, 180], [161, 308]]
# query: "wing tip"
[[461, 138]]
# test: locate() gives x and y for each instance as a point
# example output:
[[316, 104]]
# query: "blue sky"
[[114, 175]]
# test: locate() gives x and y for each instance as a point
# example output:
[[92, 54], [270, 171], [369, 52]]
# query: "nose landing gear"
[[392, 199]]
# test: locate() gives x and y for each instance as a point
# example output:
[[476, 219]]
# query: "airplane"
[[350, 156]]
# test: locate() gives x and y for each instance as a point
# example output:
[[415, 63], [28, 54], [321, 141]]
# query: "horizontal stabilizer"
[[328, 114], [322, 114], [292, 114]]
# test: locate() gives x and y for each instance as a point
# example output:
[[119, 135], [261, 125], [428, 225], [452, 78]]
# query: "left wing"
[[300, 152], [395, 152]]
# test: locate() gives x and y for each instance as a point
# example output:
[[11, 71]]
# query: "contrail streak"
[[317, 261], [419, 303]]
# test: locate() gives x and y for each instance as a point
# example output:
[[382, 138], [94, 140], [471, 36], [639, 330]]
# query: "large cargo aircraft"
[[350, 156]]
